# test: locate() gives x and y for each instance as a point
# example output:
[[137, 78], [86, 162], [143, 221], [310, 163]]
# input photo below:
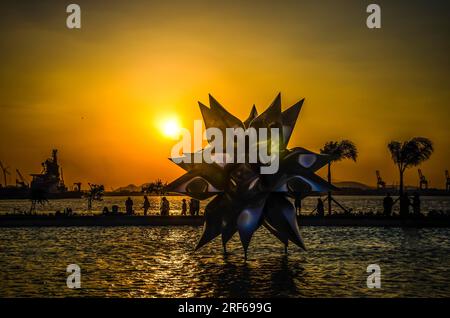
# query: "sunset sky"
[[100, 94]]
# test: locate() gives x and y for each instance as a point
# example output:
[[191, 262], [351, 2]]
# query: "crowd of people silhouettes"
[[164, 207], [193, 206]]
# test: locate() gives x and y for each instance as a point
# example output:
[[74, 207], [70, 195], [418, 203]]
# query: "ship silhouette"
[[49, 181]]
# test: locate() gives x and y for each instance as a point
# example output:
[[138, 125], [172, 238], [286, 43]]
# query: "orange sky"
[[99, 94]]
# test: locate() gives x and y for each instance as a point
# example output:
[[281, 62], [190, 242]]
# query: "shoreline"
[[8, 221], [342, 192]]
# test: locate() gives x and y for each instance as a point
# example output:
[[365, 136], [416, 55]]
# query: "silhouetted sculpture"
[[244, 199], [146, 205], [388, 203], [129, 206], [165, 206], [380, 183], [416, 204], [320, 208], [183, 207]]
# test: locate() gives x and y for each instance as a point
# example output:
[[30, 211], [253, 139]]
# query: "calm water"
[[159, 262], [357, 203]]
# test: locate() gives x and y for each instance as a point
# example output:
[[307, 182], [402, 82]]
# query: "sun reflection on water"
[[160, 262]]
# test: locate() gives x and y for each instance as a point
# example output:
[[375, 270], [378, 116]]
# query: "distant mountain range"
[[130, 188], [341, 184], [352, 185]]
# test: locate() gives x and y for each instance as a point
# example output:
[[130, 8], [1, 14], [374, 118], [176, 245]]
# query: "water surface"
[[364, 204], [159, 262]]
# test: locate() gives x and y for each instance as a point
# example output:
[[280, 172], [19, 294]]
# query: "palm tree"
[[37, 196], [338, 150], [409, 153], [157, 187], [95, 193]]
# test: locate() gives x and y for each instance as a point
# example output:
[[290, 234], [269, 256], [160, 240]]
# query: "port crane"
[[5, 173], [380, 183], [447, 181], [20, 180], [61, 186], [423, 182], [77, 186]]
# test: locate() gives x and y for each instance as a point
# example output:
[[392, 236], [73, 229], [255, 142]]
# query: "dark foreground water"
[[159, 262]]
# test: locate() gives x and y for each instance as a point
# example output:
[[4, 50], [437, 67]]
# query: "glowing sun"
[[171, 128]]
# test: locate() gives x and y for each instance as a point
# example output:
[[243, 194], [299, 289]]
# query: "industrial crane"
[[380, 183], [20, 180], [423, 182], [77, 186], [5, 172]]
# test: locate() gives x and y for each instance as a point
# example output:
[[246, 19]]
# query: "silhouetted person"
[[320, 209], [416, 204], [298, 204], [165, 206], [115, 209], [68, 212], [196, 207], [146, 205], [191, 207], [404, 205], [129, 206], [183, 207], [105, 211], [388, 202]]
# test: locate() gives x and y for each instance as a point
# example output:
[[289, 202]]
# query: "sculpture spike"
[[281, 236], [248, 222], [213, 221], [253, 115], [229, 120], [289, 118], [271, 117], [280, 214]]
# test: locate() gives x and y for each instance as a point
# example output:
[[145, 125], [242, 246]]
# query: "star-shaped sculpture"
[[244, 199]]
